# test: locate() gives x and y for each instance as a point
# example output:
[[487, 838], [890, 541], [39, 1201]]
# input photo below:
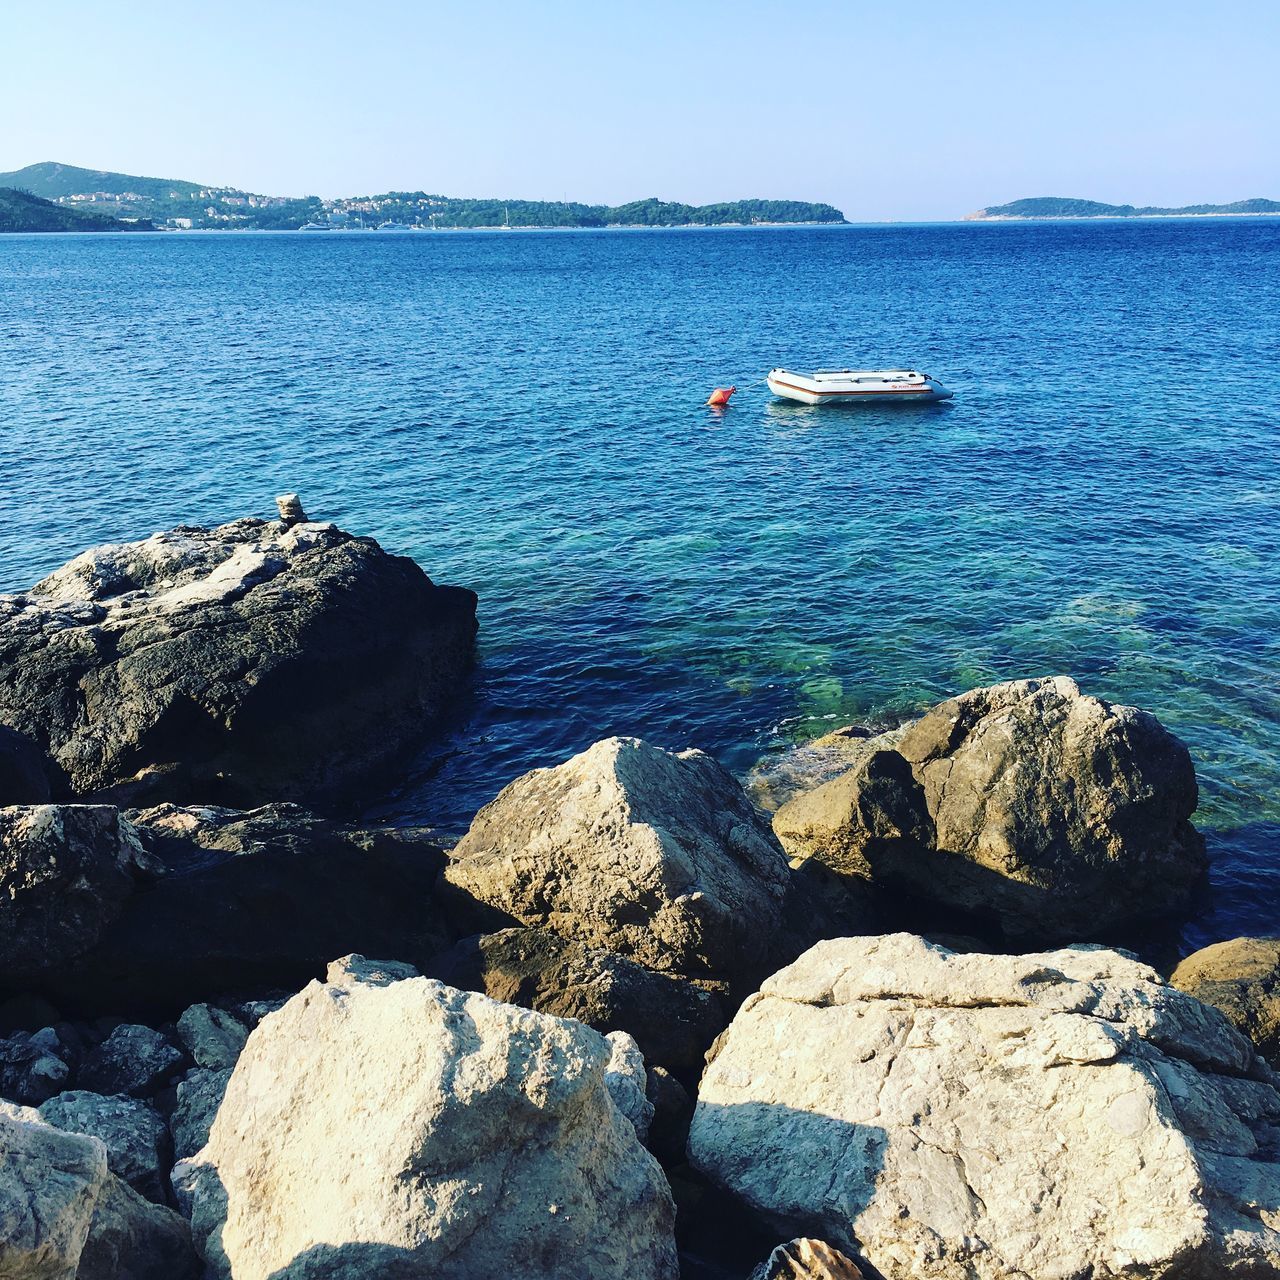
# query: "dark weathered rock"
[[133, 1059], [65, 874], [1047, 813], [133, 1132], [256, 661], [31, 1070], [672, 1112], [1242, 979], [656, 856], [253, 902], [130, 1238], [23, 776], [199, 1097], [673, 1021]]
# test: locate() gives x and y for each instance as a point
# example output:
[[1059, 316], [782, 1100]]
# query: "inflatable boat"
[[856, 386]]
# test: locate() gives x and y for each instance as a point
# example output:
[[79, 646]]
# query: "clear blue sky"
[[922, 110]]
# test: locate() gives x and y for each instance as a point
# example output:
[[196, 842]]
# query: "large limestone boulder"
[[655, 855], [254, 900], [673, 1021], [403, 1128], [1048, 813], [65, 874], [1242, 979], [1061, 1114], [255, 661]]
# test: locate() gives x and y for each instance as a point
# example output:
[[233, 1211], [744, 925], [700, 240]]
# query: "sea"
[[523, 413]]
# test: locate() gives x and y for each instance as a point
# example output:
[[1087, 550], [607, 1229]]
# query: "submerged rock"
[[255, 661], [66, 872], [983, 1117], [408, 1129], [251, 901], [1053, 814], [1242, 979], [656, 856]]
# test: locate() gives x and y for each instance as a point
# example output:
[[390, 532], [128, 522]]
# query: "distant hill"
[[55, 181], [1064, 207], [178, 203], [21, 211]]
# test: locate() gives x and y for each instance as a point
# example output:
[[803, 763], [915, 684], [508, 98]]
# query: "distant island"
[[1064, 207], [21, 211], [170, 203]]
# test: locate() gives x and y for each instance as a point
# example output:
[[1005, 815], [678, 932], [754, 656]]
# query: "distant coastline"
[[180, 205], [1064, 207]]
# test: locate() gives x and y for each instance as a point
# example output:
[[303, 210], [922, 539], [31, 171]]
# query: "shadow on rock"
[[354, 1262]]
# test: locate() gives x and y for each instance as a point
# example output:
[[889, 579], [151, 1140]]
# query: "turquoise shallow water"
[[522, 413]]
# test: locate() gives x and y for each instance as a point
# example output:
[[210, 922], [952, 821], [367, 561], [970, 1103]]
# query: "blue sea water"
[[522, 413]]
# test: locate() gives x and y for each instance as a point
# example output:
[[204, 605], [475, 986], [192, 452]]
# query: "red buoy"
[[720, 396]]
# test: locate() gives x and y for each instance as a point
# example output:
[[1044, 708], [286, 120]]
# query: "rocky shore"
[[628, 1026]]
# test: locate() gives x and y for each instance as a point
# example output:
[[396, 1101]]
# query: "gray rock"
[[133, 1132], [625, 1078], [673, 1021], [356, 968], [516, 1151], [30, 1070], [657, 856], [50, 1182], [1047, 813], [212, 1036], [1241, 978], [258, 660], [980, 1117], [199, 1097], [65, 873], [806, 1259], [130, 1238], [133, 1059]]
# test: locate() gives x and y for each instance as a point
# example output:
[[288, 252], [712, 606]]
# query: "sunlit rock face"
[[987, 1117]]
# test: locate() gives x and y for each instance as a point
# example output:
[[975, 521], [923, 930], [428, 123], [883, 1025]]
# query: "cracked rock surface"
[[983, 1117], [254, 661], [405, 1128]]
